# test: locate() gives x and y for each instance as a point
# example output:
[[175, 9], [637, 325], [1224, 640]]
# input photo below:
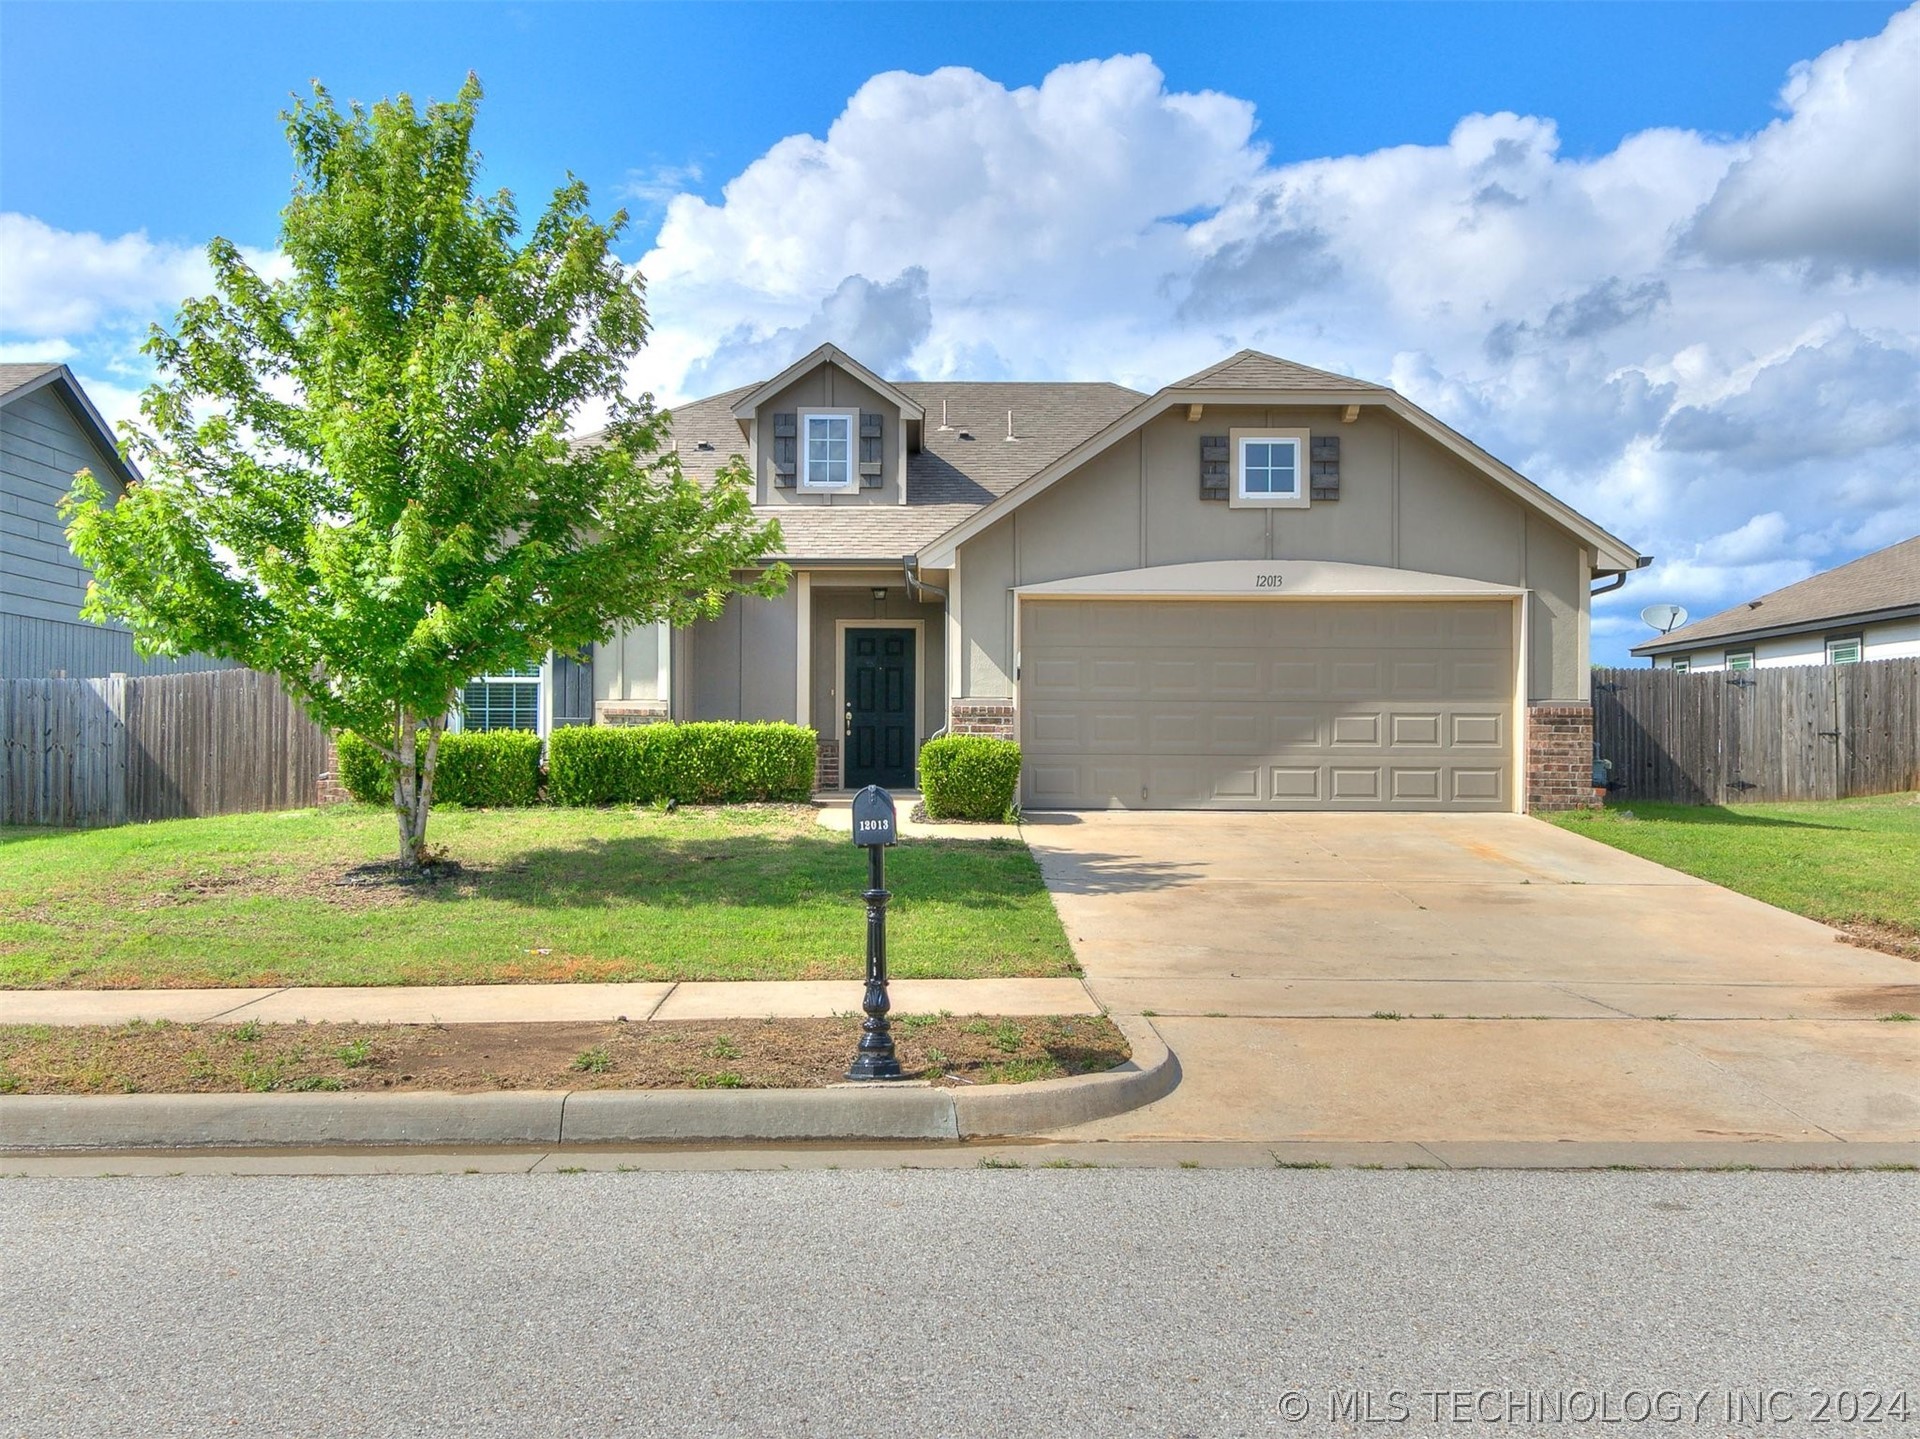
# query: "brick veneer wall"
[[981, 716], [826, 763], [1560, 757]]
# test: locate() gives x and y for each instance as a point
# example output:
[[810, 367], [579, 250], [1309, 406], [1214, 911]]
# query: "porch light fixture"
[[880, 592]]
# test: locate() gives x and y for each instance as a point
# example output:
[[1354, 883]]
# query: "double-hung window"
[[1270, 468], [827, 441], [1843, 650], [1681, 664], [1739, 659], [509, 700]]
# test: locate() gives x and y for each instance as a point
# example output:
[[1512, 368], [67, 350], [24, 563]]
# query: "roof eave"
[[1674, 644], [1611, 553], [826, 354], [90, 418]]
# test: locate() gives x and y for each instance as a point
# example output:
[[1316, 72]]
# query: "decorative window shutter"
[[1325, 477], [786, 450], [1215, 478], [872, 450]]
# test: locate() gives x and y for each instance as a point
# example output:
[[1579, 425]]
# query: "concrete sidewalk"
[[537, 1003]]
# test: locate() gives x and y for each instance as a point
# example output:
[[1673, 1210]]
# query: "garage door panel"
[[1351, 729], [1423, 678], [1416, 730], [1357, 677], [1289, 705], [1479, 785], [1295, 679], [1484, 730], [1481, 679], [1054, 676]]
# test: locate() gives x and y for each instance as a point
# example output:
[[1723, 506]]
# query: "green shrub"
[[483, 769], [969, 776], [364, 770], [707, 763]]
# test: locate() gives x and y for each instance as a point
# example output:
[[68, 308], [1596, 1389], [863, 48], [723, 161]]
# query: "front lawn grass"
[[539, 895], [1852, 863]]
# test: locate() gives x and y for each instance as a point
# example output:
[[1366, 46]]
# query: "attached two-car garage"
[[1182, 702]]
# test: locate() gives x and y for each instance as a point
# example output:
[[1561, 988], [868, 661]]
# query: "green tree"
[[358, 476]]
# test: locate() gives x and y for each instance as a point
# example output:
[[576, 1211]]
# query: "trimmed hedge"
[[969, 776], [483, 769], [702, 763]]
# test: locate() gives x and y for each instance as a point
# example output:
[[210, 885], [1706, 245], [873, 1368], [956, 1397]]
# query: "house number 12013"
[[1266, 582]]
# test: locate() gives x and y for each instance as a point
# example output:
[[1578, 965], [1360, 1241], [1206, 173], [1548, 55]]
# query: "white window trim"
[[802, 480], [1237, 498], [541, 677], [1859, 643], [1681, 663], [1746, 655]]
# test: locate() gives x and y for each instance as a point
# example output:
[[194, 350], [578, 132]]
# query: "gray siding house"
[[48, 430], [1263, 586]]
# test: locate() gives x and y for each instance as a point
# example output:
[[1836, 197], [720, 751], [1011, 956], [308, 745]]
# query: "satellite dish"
[[1664, 618]]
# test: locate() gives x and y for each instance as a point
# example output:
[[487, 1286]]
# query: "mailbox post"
[[874, 829]]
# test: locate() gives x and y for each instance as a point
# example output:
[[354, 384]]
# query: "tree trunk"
[[413, 785]]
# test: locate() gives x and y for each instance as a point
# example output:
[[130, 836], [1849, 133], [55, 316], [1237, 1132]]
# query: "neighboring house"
[[48, 430], [1866, 610], [1265, 586]]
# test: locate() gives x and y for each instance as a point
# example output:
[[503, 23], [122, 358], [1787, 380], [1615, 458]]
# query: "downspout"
[[1620, 579], [910, 572]]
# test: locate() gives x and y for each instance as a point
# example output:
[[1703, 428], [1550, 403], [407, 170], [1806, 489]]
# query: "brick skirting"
[[981, 716], [630, 712], [1560, 757]]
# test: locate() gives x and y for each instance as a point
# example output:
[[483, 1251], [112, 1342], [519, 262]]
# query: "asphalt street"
[[960, 1302]]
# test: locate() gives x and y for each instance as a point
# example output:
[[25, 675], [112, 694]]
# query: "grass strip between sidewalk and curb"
[[253, 1057]]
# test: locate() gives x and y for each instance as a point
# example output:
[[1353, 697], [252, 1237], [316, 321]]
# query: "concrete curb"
[[591, 1116], [204, 1121], [1050, 1104]]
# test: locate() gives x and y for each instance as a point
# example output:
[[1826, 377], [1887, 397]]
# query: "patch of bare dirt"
[[163, 1058], [1899, 939]]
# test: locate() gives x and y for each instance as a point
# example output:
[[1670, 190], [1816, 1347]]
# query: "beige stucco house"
[[1264, 586]]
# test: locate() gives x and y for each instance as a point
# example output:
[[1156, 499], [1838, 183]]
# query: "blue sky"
[[1662, 257], [166, 111]]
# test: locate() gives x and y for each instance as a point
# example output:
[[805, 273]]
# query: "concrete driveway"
[[1471, 977]]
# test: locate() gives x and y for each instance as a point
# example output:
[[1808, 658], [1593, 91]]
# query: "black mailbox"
[[873, 816]]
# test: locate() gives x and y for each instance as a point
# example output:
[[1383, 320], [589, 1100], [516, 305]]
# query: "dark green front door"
[[879, 709]]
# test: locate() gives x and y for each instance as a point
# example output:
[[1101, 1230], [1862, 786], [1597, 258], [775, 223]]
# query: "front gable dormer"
[[826, 431]]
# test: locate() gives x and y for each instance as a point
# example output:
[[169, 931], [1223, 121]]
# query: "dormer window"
[[826, 449]]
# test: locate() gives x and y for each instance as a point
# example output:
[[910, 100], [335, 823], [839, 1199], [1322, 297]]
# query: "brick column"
[[1560, 757], [981, 716], [327, 788], [826, 763]]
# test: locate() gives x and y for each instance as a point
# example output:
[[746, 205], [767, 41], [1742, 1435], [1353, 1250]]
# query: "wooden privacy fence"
[[98, 752], [1724, 736]]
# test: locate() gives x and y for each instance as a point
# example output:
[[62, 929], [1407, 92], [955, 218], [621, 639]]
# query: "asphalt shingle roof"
[[1887, 579], [967, 462], [14, 377], [1252, 370]]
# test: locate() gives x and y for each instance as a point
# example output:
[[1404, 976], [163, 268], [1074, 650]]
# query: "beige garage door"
[[1267, 704]]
